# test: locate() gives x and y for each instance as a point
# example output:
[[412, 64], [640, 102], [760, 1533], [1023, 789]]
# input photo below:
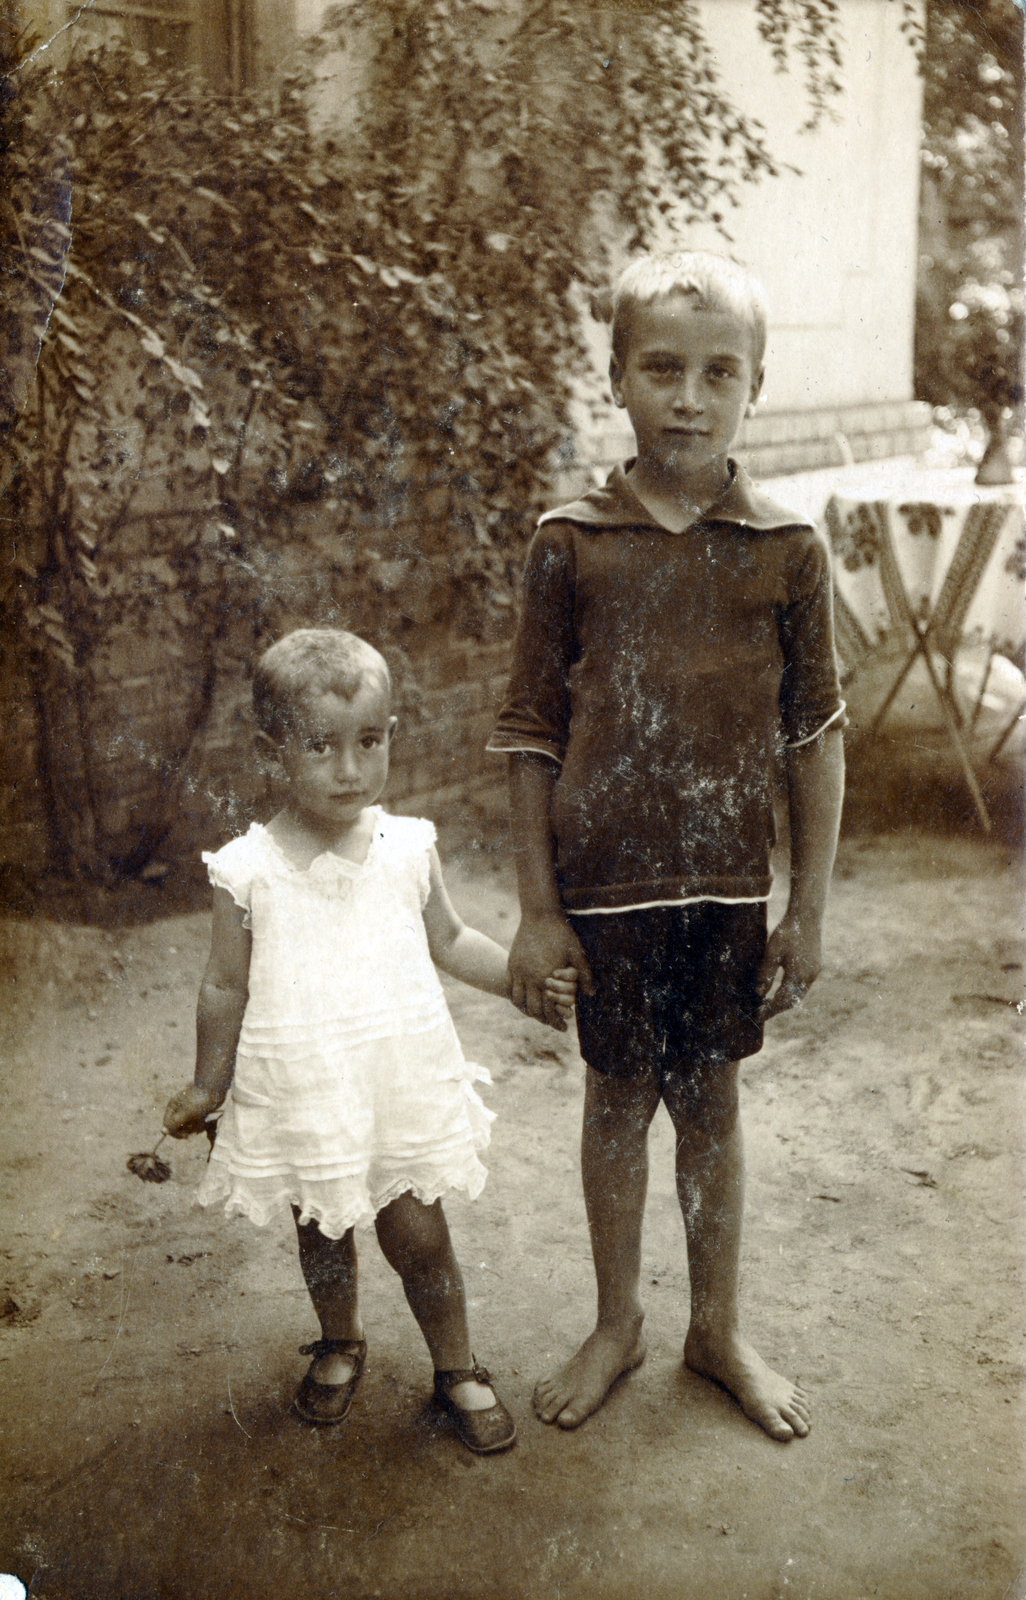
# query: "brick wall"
[[772, 443], [447, 700], [23, 832], [446, 703], [137, 691]]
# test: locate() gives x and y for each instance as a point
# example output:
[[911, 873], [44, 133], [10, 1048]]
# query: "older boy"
[[675, 638]]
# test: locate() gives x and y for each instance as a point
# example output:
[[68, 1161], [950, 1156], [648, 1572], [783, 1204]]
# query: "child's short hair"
[[716, 283], [311, 661]]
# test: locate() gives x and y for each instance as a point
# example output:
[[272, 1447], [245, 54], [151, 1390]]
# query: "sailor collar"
[[615, 505]]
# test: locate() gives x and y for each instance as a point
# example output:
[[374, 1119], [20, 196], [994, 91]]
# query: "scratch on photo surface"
[[126, 1295], [231, 1403], [88, 6], [322, 1527]]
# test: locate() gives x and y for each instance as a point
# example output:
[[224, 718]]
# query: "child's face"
[[336, 761], [686, 380]]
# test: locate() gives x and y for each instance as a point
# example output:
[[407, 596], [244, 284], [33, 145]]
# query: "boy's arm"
[[219, 1012], [544, 941], [815, 784]]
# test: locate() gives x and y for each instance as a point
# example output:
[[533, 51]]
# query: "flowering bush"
[[238, 345], [969, 334]]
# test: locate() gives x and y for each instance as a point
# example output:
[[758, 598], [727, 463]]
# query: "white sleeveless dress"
[[350, 1085]]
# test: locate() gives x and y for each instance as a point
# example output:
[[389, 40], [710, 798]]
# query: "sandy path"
[[148, 1351]]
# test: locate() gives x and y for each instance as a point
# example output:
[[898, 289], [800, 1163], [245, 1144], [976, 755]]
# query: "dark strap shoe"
[[325, 1403], [484, 1432]]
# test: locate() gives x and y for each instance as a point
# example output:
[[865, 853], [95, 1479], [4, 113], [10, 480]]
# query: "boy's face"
[[686, 380]]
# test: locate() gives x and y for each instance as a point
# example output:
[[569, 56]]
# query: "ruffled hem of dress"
[[262, 1200]]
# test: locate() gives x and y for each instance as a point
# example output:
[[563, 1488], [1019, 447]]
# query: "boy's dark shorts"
[[674, 986]]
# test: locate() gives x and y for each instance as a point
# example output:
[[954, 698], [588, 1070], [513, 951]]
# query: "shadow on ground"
[[148, 1351]]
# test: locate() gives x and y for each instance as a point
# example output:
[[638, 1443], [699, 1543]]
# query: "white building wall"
[[834, 242]]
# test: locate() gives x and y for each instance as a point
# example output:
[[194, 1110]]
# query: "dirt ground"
[[148, 1350]]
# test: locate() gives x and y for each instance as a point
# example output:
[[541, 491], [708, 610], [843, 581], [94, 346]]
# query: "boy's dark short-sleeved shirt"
[[663, 673]]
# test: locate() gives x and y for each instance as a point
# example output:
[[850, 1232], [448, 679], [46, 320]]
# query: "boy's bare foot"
[[773, 1401], [579, 1387]]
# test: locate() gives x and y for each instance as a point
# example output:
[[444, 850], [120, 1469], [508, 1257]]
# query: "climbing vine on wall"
[[274, 343]]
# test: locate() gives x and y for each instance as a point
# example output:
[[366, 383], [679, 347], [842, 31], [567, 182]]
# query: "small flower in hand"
[[148, 1166]]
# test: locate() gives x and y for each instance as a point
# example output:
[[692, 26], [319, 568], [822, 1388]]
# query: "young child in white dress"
[[322, 1013]]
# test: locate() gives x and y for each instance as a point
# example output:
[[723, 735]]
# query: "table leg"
[[956, 735], [1007, 733], [896, 685], [978, 707]]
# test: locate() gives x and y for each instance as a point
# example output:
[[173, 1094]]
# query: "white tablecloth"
[[955, 552]]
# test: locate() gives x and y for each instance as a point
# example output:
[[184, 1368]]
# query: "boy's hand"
[[795, 950], [560, 994], [187, 1111], [545, 945]]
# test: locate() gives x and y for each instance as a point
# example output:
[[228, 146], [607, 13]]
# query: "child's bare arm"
[[815, 780], [219, 1012], [544, 943], [463, 952], [474, 958]]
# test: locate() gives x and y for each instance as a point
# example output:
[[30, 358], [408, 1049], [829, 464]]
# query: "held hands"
[[544, 952], [559, 997], [794, 949], [188, 1110]]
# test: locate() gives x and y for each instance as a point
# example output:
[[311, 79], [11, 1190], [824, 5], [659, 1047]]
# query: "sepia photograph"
[[513, 675]]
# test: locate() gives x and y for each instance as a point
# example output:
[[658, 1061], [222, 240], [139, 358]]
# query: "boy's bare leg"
[[614, 1168], [710, 1184]]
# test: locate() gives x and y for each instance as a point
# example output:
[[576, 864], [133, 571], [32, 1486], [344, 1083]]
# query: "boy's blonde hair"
[[715, 283], [311, 661]]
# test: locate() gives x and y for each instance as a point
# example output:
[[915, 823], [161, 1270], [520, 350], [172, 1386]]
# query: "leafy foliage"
[[970, 311], [245, 347]]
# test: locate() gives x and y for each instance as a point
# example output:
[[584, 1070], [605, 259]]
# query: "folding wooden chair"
[[931, 629]]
